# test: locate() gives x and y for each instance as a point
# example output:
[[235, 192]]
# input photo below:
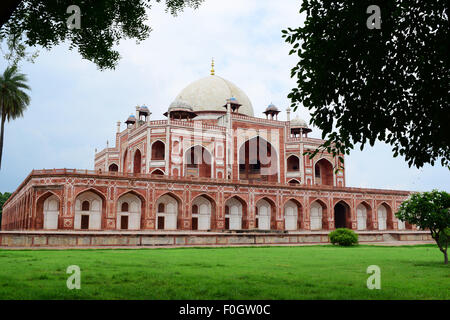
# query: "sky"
[[74, 106]]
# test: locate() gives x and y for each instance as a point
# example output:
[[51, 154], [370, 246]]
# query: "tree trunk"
[[435, 236], [1, 136]]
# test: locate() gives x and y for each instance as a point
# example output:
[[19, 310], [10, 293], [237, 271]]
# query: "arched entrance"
[[88, 211], [50, 211], [202, 214], [137, 161], [323, 172], [342, 218], [166, 212], [235, 214], [318, 216], [364, 216], [384, 217], [198, 162], [293, 216], [258, 160], [129, 208], [265, 215], [113, 168], [293, 164], [158, 150]]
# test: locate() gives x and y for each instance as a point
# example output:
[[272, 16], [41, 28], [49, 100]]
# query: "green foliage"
[[362, 85], [3, 197], [14, 50], [343, 237], [429, 210], [13, 99], [103, 24]]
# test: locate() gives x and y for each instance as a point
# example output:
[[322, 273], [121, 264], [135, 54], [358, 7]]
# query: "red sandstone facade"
[[203, 169], [25, 212]]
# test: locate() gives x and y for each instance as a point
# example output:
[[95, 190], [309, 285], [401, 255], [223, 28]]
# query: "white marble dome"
[[210, 94], [297, 122]]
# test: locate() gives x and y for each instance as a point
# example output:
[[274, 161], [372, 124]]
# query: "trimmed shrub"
[[343, 237]]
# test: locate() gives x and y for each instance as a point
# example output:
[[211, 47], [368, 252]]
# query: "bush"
[[343, 237]]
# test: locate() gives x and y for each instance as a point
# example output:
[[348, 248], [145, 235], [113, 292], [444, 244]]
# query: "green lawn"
[[309, 272]]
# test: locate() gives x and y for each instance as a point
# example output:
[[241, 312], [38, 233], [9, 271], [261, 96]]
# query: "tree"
[[429, 210], [15, 50], [103, 23], [3, 198], [13, 99], [390, 84]]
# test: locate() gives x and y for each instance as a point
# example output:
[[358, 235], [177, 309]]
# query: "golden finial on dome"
[[212, 67]]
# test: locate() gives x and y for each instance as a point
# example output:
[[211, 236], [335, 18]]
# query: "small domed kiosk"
[[299, 127], [271, 112], [180, 110]]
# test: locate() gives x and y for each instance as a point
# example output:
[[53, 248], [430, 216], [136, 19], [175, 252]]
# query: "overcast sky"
[[75, 106]]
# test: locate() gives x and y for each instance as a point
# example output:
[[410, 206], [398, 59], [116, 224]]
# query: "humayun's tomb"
[[210, 173]]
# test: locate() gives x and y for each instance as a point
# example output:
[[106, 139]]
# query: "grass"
[[310, 272]]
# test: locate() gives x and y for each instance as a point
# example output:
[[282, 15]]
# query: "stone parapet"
[[55, 239]]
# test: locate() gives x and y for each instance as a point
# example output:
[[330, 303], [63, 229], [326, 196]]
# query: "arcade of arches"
[[204, 214]]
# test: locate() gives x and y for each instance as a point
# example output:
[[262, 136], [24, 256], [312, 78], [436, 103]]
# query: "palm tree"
[[13, 99]]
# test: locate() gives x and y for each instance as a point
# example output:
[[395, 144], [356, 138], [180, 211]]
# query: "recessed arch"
[[85, 205], [203, 213], [323, 172], [364, 216], [42, 219], [258, 160], [292, 163], [293, 181], [265, 214], [318, 215], [384, 215], [92, 189], [157, 172], [125, 161], [158, 150], [342, 215], [130, 211], [236, 213], [137, 161], [113, 167], [92, 219], [170, 217], [176, 147], [198, 162], [293, 214], [46, 195]]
